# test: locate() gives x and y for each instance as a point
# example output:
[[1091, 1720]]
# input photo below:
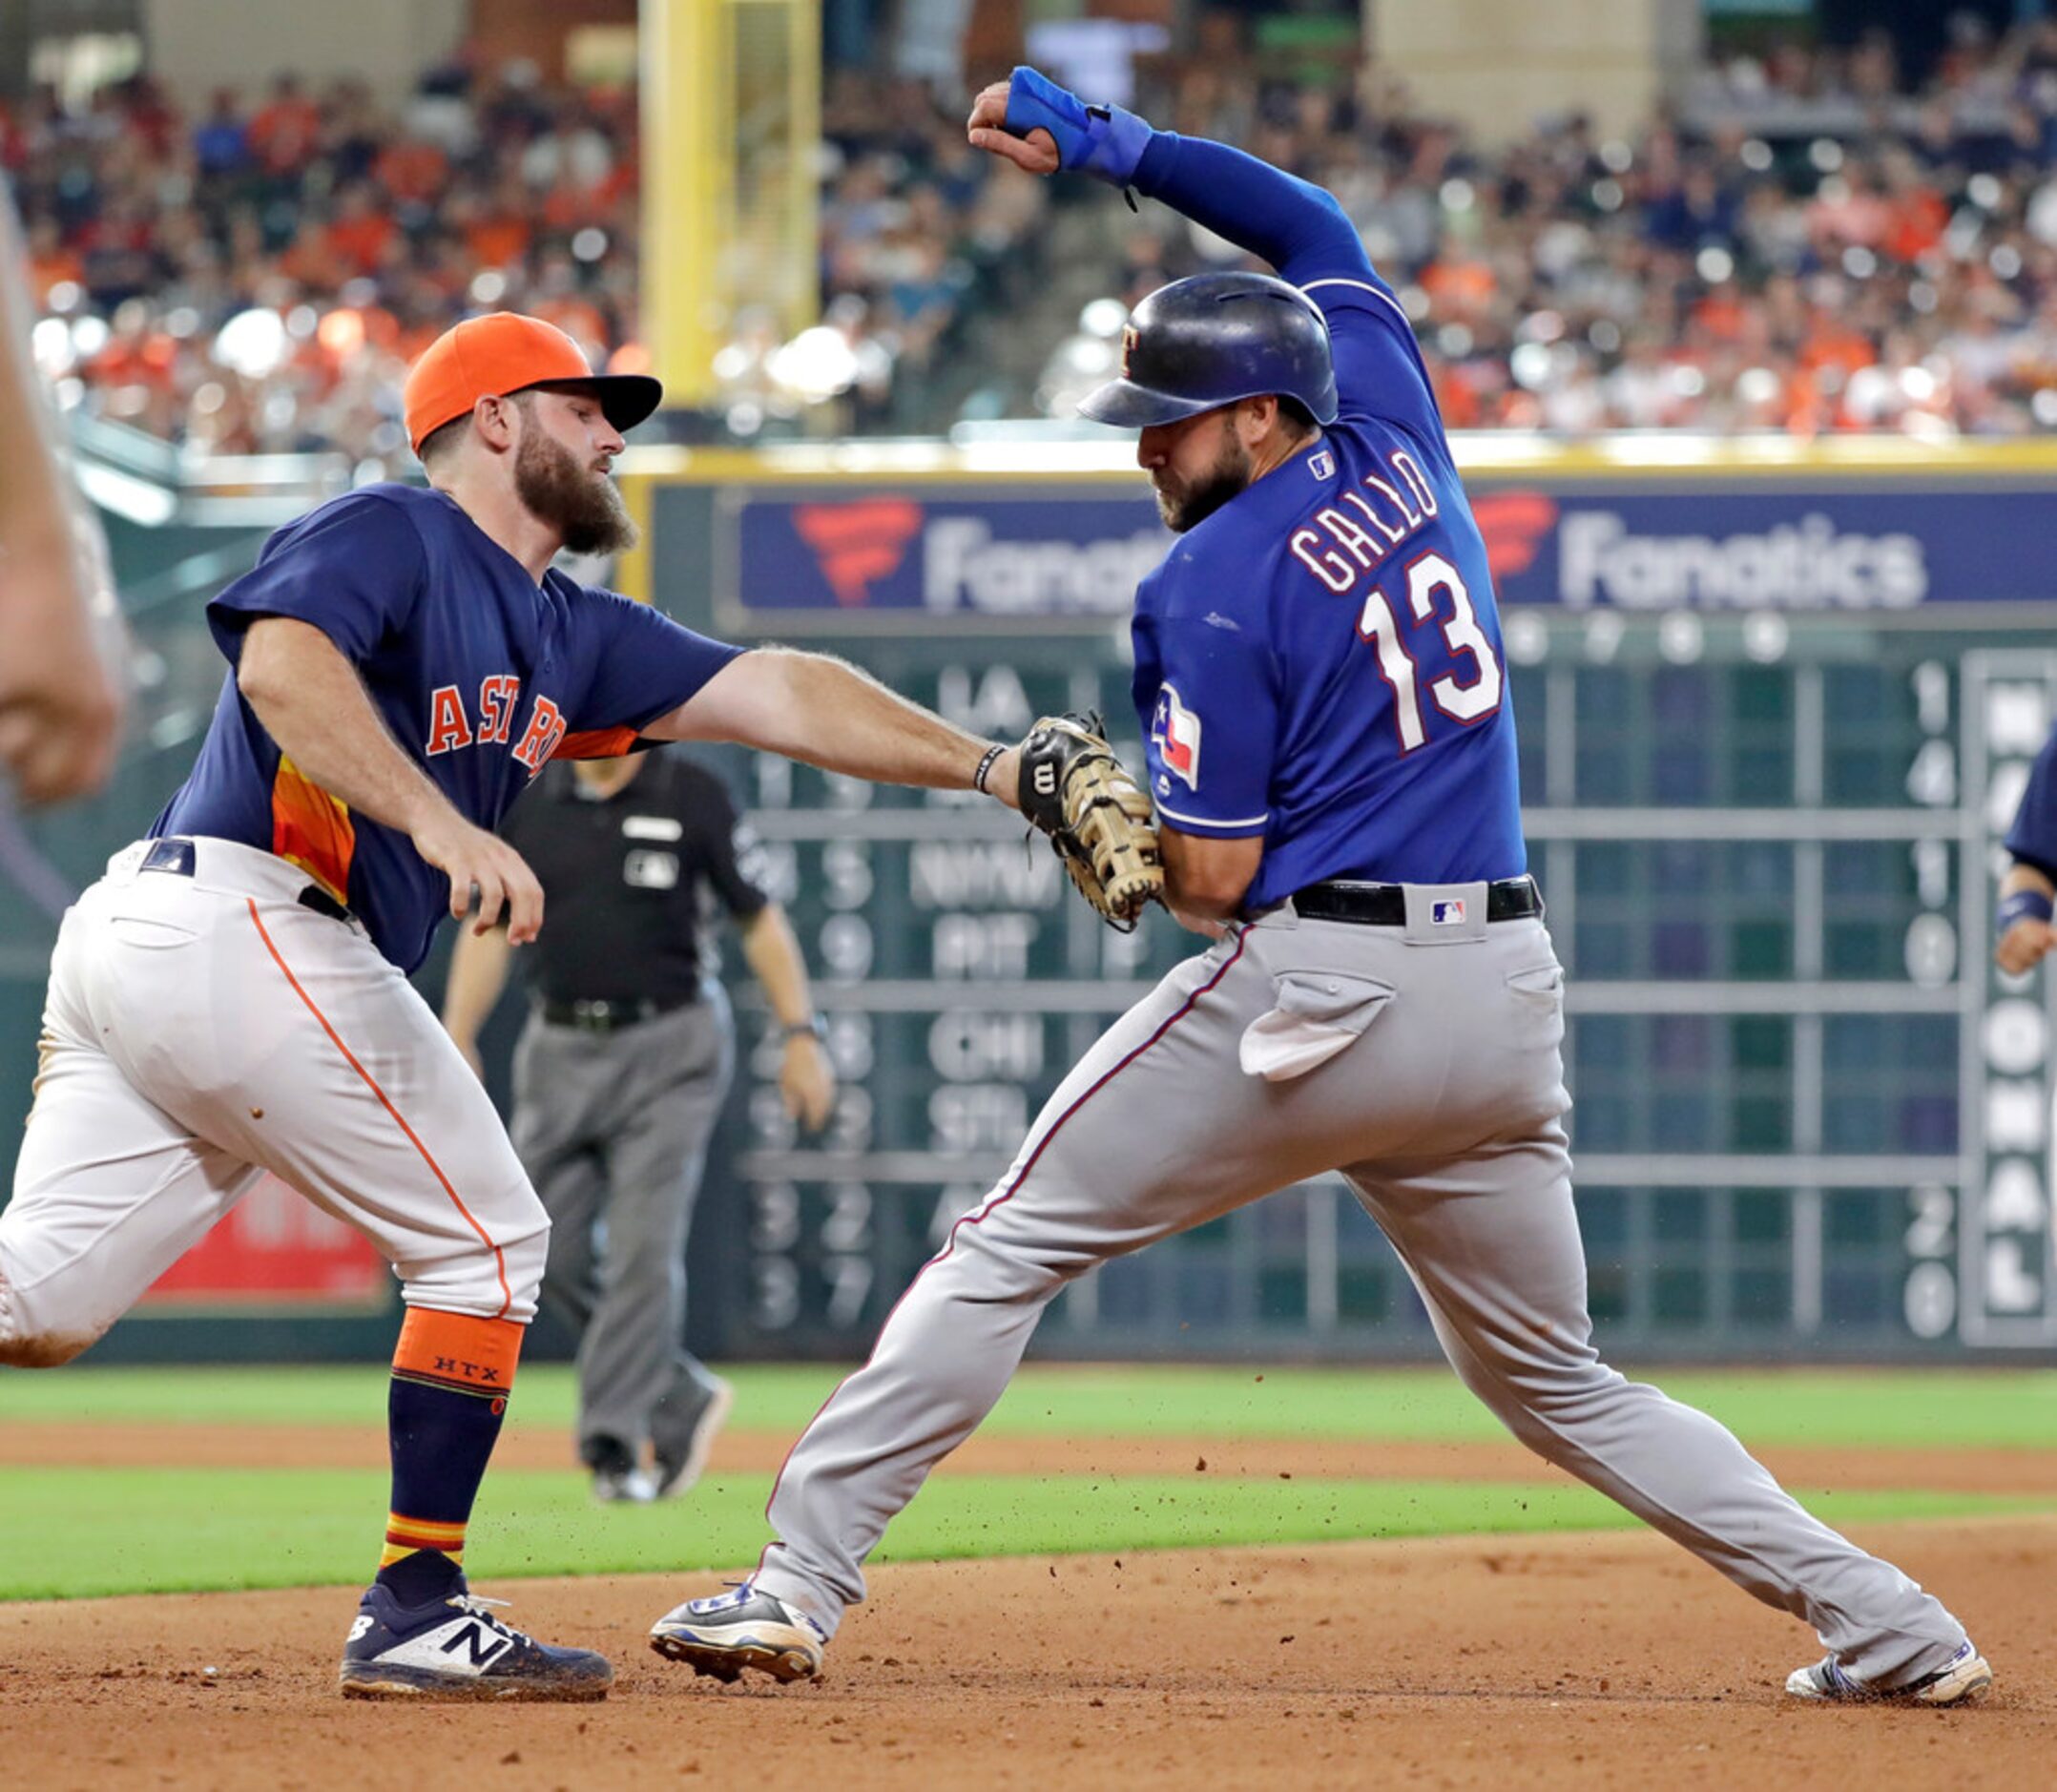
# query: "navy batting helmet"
[[1211, 340]]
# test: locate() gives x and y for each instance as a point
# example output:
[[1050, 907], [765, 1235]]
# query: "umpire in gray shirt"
[[620, 1075]]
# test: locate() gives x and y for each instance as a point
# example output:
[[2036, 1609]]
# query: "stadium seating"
[[1804, 244]]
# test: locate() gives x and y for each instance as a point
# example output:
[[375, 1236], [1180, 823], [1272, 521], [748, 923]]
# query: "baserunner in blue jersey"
[[1320, 676]]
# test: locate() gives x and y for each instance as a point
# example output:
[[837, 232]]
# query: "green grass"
[[1937, 1408], [76, 1532]]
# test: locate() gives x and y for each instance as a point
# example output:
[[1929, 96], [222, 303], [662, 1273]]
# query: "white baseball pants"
[[202, 1027]]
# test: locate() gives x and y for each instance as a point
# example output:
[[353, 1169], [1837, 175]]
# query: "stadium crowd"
[[256, 279], [1806, 243]]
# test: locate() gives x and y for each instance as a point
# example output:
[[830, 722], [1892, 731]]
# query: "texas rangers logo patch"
[[1174, 731], [1447, 914]]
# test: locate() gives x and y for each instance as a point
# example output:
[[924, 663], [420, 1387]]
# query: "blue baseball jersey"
[[1319, 662], [481, 675]]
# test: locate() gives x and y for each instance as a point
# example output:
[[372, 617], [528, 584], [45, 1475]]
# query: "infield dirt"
[[1587, 1661]]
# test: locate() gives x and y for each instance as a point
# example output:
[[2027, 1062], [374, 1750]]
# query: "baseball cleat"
[[455, 1648], [618, 1479], [679, 1465], [1963, 1679], [737, 1629], [625, 1486]]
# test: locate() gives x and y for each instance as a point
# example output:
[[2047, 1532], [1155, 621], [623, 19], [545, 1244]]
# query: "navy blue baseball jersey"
[[481, 675], [2033, 836], [1319, 662]]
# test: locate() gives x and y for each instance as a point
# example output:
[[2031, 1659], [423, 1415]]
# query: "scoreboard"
[[1771, 732]]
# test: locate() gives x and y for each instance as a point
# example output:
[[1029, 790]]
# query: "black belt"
[[608, 1016], [175, 856], [1385, 904]]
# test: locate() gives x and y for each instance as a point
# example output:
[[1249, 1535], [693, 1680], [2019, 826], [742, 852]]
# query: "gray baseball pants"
[[1442, 1102], [613, 1129]]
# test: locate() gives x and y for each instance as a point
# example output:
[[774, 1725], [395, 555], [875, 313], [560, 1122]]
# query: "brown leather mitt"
[[1097, 817]]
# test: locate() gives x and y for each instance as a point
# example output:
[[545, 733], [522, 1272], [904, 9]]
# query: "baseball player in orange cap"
[[232, 996]]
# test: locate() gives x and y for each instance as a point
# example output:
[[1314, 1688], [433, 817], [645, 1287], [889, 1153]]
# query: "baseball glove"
[[1098, 818]]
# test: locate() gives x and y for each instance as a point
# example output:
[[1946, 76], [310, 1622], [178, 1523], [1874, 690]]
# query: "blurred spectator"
[[222, 140], [1806, 245], [286, 131]]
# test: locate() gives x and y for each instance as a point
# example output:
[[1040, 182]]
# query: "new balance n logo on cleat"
[[481, 1646], [457, 1648]]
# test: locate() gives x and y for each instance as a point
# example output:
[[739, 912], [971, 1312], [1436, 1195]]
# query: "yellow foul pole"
[[702, 259], [684, 180]]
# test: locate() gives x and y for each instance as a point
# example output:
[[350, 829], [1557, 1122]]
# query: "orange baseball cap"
[[505, 352]]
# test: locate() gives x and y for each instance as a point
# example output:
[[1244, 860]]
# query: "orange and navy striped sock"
[[451, 1374]]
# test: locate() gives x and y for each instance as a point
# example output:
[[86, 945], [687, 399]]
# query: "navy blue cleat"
[[455, 1647], [737, 1629]]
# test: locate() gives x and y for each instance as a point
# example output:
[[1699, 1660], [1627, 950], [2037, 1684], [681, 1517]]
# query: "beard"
[[583, 506], [1184, 507]]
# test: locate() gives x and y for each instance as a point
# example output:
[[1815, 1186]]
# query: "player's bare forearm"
[[773, 953], [35, 496], [60, 698], [1205, 880], [807, 1077], [313, 704], [825, 712]]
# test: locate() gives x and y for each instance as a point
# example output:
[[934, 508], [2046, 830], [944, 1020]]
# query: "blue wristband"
[[2024, 904], [1100, 140]]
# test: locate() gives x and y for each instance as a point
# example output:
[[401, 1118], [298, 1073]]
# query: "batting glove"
[[1104, 141]]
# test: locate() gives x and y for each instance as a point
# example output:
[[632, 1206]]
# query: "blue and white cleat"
[[455, 1648], [1963, 1679], [737, 1629]]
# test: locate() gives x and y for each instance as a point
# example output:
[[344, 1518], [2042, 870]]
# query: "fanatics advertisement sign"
[[1078, 553], [1854, 548]]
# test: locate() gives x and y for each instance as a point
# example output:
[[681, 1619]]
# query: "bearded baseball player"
[[1319, 678], [232, 996]]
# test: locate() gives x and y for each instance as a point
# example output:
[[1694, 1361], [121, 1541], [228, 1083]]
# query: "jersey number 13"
[[1465, 700]]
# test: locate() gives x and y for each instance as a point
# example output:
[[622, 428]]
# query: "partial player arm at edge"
[[479, 967], [825, 712], [61, 685], [1205, 879], [2022, 930], [314, 707]]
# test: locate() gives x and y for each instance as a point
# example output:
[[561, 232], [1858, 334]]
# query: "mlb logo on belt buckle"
[[1447, 914]]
